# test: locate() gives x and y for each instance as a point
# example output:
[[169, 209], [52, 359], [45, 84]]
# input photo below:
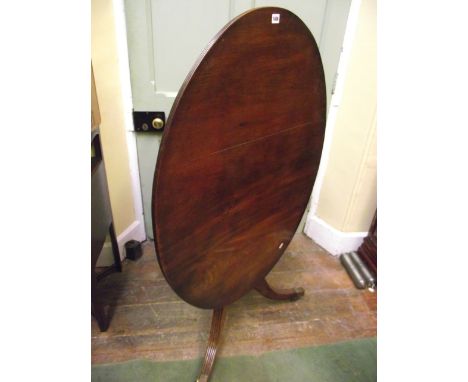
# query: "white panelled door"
[[165, 38]]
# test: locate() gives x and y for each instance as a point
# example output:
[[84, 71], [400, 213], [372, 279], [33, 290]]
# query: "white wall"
[[109, 63], [344, 199]]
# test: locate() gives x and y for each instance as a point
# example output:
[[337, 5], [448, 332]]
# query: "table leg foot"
[[266, 290]]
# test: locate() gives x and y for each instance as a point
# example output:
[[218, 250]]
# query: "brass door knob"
[[158, 123]]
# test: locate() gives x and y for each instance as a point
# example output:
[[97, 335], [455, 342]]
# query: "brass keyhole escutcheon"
[[158, 123]]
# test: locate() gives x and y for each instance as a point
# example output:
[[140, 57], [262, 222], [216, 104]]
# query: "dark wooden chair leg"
[[210, 355], [281, 294], [97, 310], [115, 248]]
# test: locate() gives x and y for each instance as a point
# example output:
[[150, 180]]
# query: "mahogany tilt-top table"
[[237, 162]]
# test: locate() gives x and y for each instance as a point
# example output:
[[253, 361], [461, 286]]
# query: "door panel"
[[189, 28], [311, 12], [165, 37]]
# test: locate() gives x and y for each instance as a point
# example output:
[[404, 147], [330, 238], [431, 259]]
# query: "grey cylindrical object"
[[370, 279], [353, 271]]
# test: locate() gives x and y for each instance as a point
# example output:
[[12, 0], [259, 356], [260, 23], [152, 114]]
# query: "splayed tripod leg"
[[266, 290], [213, 341]]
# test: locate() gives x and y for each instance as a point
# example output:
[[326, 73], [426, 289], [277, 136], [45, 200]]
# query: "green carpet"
[[353, 361]]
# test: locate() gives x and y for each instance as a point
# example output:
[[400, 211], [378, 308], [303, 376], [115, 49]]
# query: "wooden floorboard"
[[150, 321]]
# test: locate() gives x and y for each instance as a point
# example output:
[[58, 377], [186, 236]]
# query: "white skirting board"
[[135, 231], [329, 238]]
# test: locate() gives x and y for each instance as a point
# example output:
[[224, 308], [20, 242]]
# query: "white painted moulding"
[[135, 231], [329, 238], [126, 89]]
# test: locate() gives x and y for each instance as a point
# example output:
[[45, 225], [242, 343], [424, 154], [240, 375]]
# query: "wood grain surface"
[[239, 157]]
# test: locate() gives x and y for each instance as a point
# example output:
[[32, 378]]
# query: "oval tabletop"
[[239, 157]]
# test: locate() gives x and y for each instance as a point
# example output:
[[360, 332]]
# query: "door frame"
[[124, 74], [121, 33]]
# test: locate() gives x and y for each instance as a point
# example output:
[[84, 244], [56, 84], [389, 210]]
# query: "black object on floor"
[[133, 250]]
